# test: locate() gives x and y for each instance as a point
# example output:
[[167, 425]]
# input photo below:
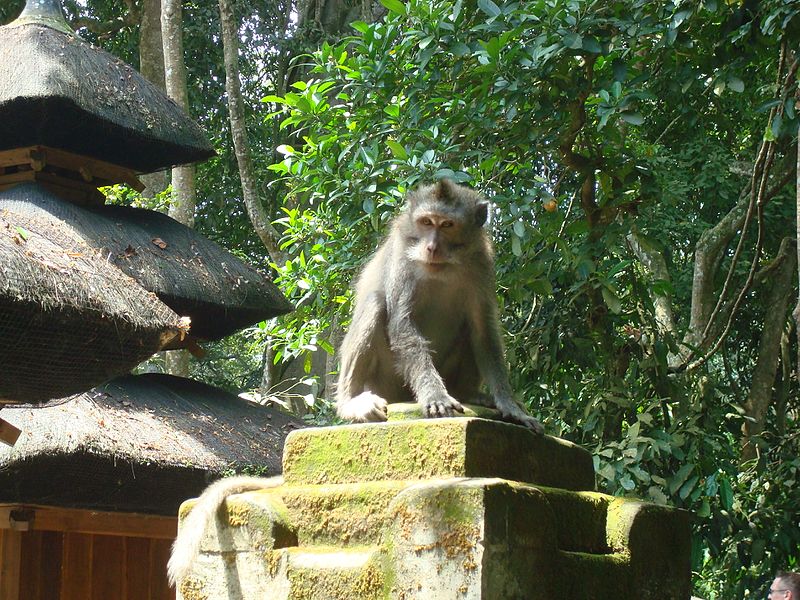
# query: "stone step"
[[581, 520], [593, 576], [434, 448], [329, 573]]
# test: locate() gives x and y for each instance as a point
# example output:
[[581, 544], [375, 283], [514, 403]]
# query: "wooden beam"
[[90, 169], [78, 520], [8, 433]]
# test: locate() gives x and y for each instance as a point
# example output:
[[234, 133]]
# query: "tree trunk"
[[781, 277], [183, 184], [241, 144], [151, 65], [796, 313]]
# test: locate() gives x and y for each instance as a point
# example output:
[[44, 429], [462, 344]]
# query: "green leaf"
[[395, 6], [687, 487], [360, 26], [573, 41], [612, 300], [634, 118], [489, 7], [620, 70], [726, 494], [777, 123], [590, 44], [680, 477], [368, 205], [519, 229], [23, 233], [680, 16], [516, 246], [460, 49], [608, 472], [492, 48], [542, 287], [736, 84], [398, 150]]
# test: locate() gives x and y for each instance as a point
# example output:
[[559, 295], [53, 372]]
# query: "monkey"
[[187, 545], [425, 326]]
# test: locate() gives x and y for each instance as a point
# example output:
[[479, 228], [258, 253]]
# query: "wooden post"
[[8, 434], [10, 561]]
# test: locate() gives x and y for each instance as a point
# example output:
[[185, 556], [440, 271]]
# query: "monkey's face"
[[437, 239]]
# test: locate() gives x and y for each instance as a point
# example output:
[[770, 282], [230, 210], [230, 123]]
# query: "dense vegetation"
[[642, 160]]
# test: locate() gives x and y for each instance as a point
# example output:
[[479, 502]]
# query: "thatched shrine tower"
[[88, 291], [97, 461]]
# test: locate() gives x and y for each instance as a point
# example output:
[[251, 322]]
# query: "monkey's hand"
[[440, 406], [511, 411], [364, 408]]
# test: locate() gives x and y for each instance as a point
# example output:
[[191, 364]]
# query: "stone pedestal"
[[440, 509]]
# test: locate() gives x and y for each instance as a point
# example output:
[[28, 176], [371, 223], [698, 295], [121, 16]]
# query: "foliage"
[[528, 101]]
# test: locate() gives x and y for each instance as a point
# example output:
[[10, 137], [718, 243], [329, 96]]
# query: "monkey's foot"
[[364, 408], [441, 406]]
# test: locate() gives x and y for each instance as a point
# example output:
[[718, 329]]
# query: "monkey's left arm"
[[488, 350]]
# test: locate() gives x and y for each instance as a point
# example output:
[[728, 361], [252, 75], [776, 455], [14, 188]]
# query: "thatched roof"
[[68, 319], [58, 90], [191, 274], [138, 443]]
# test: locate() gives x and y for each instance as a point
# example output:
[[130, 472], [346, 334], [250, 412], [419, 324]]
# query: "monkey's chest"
[[445, 330]]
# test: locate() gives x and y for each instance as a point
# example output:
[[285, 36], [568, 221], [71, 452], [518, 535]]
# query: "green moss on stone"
[[193, 589], [359, 453], [344, 514], [265, 516], [433, 448]]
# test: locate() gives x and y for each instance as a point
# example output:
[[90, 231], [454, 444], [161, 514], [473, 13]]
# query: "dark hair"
[[790, 580]]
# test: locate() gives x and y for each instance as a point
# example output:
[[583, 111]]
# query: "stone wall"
[[460, 508]]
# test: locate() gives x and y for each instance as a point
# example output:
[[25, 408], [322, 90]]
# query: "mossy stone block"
[[434, 448]]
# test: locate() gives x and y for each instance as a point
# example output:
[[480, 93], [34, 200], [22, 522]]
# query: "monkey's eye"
[[425, 222], [446, 224]]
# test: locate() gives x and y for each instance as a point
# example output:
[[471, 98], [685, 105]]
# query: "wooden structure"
[[49, 553], [89, 494]]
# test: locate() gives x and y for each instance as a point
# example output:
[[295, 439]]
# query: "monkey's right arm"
[[360, 363], [187, 544]]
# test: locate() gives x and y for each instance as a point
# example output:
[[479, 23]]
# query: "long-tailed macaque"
[[425, 324]]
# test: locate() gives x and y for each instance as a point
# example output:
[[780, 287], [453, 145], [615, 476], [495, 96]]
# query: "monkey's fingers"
[[521, 418], [441, 407], [365, 408]]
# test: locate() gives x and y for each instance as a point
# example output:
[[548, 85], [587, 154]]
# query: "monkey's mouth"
[[434, 265]]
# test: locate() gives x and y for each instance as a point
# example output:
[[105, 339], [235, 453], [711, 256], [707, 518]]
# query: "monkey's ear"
[[481, 213]]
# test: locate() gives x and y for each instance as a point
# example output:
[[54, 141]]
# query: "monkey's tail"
[[187, 544]]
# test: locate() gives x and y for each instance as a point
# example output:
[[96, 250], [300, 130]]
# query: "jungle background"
[[641, 158]]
